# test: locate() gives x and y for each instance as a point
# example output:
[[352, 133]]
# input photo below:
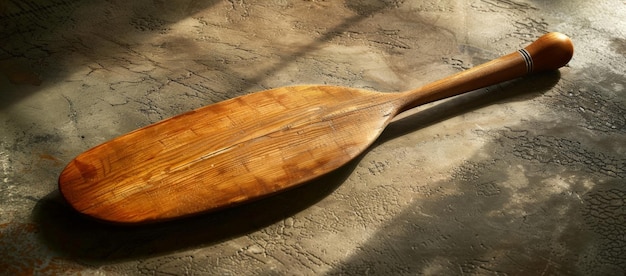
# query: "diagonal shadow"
[[34, 31], [37, 37]]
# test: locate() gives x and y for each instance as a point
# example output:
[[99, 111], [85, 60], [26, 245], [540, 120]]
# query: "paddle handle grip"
[[550, 52]]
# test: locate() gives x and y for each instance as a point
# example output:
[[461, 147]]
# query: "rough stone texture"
[[527, 177]]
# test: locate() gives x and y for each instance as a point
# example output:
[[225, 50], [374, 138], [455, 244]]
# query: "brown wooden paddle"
[[256, 145]]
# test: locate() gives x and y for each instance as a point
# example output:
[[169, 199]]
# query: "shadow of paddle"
[[520, 89], [75, 236]]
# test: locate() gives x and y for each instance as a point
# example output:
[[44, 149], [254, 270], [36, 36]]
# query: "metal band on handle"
[[527, 59]]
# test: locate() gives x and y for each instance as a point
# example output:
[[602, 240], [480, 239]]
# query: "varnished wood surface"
[[227, 153], [257, 145]]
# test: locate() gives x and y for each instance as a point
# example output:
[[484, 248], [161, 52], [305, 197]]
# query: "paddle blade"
[[225, 154]]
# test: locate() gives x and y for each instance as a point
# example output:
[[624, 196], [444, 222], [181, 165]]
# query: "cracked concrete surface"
[[527, 177]]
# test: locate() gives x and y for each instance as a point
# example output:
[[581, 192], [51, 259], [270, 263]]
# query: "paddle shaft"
[[550, 52]]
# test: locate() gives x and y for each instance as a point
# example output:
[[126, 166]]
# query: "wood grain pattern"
[[256, 145]]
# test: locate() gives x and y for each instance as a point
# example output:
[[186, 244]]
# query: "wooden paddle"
[[257, 145]]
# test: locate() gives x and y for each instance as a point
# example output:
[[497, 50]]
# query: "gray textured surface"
[[527, 177]]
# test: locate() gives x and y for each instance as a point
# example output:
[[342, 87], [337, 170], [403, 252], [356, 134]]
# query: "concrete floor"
[[527, 177]]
